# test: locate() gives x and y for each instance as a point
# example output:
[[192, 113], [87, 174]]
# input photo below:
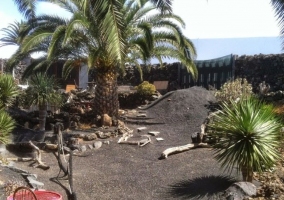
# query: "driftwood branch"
[[174, 150], [21, 159], [40, 164], [141, 143]]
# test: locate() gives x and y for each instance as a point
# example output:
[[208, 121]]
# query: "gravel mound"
[[186, 106]]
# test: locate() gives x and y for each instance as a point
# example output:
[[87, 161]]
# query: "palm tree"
[[99, 38], [41, 92], [249, 135], [98, 34], [278, 6], [155, 35], [8, 93]]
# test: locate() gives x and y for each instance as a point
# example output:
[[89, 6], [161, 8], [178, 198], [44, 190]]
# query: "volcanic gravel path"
[[129, 172]]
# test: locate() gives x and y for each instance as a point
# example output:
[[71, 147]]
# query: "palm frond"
[[27, 8]]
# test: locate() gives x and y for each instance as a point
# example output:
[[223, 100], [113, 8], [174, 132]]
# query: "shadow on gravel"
[[207, 187]]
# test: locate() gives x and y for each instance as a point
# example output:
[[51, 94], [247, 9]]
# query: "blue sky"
[[211, 24]]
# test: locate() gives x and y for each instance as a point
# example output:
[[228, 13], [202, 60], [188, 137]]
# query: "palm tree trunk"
[[106, 96], [42, 116], [247, 173]]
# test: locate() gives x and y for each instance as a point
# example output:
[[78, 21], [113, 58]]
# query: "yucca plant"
[[8, 93], [8, 90], [249, 136], [7, 125]]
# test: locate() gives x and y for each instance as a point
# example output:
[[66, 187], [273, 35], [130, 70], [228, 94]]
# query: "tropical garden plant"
[[233, 90], [249, 136], [42, 91], [8, 93], [104, 35]]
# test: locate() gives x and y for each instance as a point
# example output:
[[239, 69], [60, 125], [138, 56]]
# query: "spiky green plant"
[[8, 90], [7, 124], [8, 93], [249, 133], [41, 92]]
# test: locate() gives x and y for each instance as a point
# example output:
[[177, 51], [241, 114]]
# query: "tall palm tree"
[[278, 6], [41, 93], [249, 135], [99, 34]]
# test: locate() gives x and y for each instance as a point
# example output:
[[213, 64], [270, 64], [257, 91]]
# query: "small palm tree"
[[8, 93], [249, 133], [41, 92]]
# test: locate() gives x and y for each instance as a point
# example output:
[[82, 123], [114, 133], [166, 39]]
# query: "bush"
[[146, 89], [233, 90], [249, 133]]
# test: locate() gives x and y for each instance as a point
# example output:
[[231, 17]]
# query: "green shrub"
[[233, 90], [249, 133], [7, 125], [146, 89]]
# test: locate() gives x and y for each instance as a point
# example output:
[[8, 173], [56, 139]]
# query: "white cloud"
[[50, 8], [227, 18]]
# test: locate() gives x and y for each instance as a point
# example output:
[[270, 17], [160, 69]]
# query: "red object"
[[41, 195]]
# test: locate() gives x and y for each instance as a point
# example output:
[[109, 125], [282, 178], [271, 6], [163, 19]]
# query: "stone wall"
[[167, 72], [256, 69], [259, 68]]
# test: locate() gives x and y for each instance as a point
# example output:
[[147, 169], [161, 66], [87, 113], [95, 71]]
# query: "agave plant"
[[8, 93], [249, 136], [7, 125], [8, 90]]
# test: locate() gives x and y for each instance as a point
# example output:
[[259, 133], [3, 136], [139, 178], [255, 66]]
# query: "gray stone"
[[98, 144], [141, 129], [240, 190], [74, 147], [90, 146], [2, 149], [106, 142], [83, 148], [34, 183], [30, 175], [154, 133], [90, 137], [18, 170], [142, 115]]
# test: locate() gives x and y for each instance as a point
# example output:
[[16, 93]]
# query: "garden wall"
[[259, 68], [256, 69]]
